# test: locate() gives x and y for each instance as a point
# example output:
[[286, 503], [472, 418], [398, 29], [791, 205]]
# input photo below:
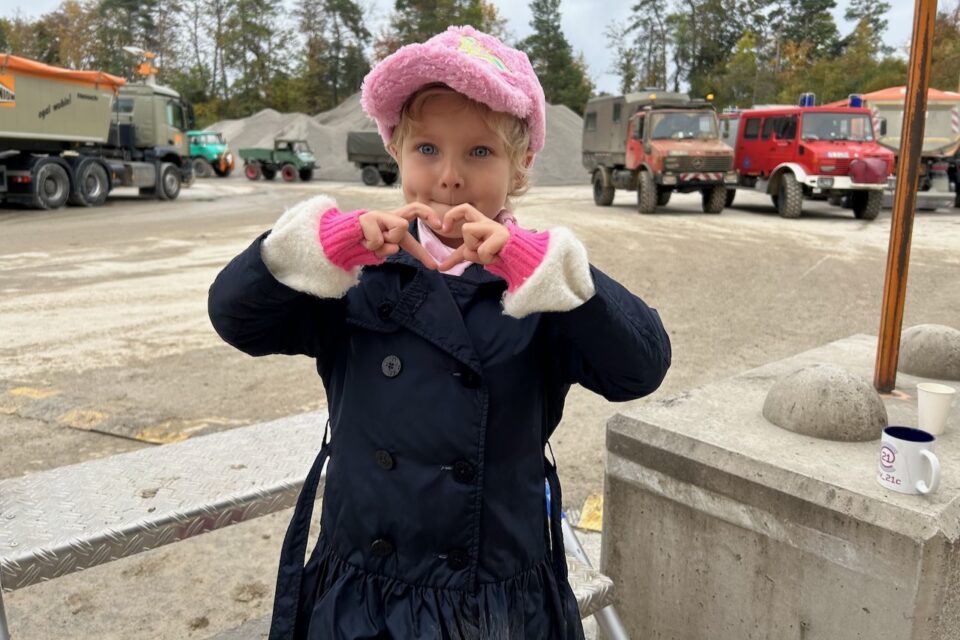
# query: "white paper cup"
[[933, 406]]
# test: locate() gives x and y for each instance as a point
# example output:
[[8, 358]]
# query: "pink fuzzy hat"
[[468, 61]]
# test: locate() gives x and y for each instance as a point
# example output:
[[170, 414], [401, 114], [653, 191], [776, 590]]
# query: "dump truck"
[[941, 141], [210, 154], [73, 136], [655, 143], [366, 151], [292, 159]]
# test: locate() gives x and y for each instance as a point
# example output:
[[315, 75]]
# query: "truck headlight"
[[669, 179], [730, 176], [824, 183]]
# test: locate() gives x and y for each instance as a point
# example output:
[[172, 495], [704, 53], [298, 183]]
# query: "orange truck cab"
[[797, 152]]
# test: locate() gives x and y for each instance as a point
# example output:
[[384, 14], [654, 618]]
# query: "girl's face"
[[452, 157]]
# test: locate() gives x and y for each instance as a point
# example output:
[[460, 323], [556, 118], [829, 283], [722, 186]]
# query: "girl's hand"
[[483, 237], [385, 232]]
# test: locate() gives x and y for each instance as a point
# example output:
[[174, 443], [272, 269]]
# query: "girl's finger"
[[395, 233], [490, 249], [452, 260], [462, 212], [414, 248], [387, 250], [372, 235], [419, 210]]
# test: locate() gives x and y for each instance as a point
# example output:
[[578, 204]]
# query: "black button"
[[384, 459], [468, 378], [457, 559], [463, 471], [391, 366], [384, 309], [381, 548]]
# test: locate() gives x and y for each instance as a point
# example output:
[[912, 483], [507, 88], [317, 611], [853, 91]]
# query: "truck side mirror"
[[883, 126]]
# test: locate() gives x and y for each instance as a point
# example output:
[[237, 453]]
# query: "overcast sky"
[[582, 23]]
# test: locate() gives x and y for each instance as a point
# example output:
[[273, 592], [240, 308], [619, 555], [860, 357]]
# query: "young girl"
[[447, 337]]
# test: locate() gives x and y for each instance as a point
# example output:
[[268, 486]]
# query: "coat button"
[[384, 309], [391, 366], [384, 459], [457, 559], [463, 471], [381, 548], [469, 378]]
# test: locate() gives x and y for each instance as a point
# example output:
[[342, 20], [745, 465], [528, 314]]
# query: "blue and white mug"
[[907, 462]]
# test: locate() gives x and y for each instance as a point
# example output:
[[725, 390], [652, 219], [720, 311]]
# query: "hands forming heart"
[[386, 232]]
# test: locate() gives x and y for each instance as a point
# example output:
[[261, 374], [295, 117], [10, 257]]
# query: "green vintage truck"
[[292, 159], [210, 154], [74, 136]]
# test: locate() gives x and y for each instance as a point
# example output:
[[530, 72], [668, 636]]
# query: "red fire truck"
[[797, 152]]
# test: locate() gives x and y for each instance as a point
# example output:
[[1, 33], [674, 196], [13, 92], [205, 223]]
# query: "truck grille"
[[841, 166], [705, 163]]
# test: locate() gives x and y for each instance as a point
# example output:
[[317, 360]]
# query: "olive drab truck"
[[73, 136], [366, 151], [941, 142], [792, 153], [655, 143]]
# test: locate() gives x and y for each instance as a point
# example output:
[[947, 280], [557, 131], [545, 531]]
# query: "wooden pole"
[[905, 196]]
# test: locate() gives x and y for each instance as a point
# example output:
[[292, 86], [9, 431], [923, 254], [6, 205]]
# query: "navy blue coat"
[[434, 521]]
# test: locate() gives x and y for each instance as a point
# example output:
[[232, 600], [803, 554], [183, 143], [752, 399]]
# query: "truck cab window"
[[769, 126], [590, 122], [787, 129], [124, 105], [616, 112], [751, 130], [175, 115], [638, 129]]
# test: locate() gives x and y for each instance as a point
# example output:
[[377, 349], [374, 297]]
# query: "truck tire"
[[169, 186], [269, 172], [92, 186], [602, 196], [306, 175], [713, 198], [866, 204], [646, 193], [51, 186], [202, 168], [789, 196], [370, 176], [388, 177], [252, 171], [663, 197], [289, 173], [731, 194]]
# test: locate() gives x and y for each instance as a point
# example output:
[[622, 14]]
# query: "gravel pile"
[[557, 164]]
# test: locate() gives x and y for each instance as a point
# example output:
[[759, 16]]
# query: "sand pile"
[[557, 164]]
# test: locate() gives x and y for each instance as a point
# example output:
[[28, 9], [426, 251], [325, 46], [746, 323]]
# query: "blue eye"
[[482, 152], [426, 149]]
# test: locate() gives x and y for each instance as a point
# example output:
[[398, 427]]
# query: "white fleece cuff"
[[561, 282], [295, 257]]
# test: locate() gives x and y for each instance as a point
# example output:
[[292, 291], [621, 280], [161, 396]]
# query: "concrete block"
[[719, 525], [931, 351]]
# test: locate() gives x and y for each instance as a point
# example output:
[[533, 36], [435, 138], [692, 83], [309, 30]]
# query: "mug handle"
[[922, 486]]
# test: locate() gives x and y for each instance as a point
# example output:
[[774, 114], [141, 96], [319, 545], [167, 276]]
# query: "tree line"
[[230, 58]]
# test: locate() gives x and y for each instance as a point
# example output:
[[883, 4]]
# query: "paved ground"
[[106, 348]]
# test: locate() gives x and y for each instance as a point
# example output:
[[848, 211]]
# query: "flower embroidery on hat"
[[471, 47]]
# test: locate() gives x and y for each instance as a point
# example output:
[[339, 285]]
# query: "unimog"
[[366, 151], [73, 136], [291, 158], [655, 143], [210, 154]]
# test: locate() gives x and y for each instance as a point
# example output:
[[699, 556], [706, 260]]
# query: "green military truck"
[[365, 150], [210, 154], [291, 158], [74, 136]]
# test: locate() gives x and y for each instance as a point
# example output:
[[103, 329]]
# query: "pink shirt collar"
[[439, 251]]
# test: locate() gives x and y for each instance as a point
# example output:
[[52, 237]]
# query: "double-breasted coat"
[[434, 522]]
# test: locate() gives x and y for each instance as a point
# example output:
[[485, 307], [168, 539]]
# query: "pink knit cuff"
[[342, 239], [520, 257]]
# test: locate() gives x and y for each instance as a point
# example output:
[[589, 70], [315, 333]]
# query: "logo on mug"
[[888, 455]]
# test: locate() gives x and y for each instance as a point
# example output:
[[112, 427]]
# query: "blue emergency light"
[[808, 99], [856, 100]]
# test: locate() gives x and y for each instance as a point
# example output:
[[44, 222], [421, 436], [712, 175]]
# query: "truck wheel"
[[92, 186], [169, 187], [866, 204], [202, 168], [789, 197], [646, 193], [731, 194], [663, 197], [370, 176], [388, 177], [51, 186], [306, 174], [713, 198], [269, 173], [602, 196], [289, 173], [252, 171]]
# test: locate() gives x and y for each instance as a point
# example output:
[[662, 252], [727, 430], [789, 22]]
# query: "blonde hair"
[[512, 131]]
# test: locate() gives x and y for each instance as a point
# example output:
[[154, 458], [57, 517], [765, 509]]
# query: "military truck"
[[73, 136], [210, 154], [291, 158], [655, 143], [366, 151]]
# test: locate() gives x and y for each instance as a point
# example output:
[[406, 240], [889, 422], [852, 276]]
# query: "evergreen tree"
[[945, 73], [418, 20], [334, 62], [562, 75]]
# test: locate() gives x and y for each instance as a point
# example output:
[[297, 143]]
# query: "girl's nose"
[[451, 177]]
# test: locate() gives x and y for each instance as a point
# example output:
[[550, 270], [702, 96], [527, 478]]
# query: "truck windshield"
[[938, 132], [680, 126], [301, 147], [208, 138], [837, 126]]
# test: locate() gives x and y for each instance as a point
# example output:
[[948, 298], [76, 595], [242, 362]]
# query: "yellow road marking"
[[32, 392], [83, 418]]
